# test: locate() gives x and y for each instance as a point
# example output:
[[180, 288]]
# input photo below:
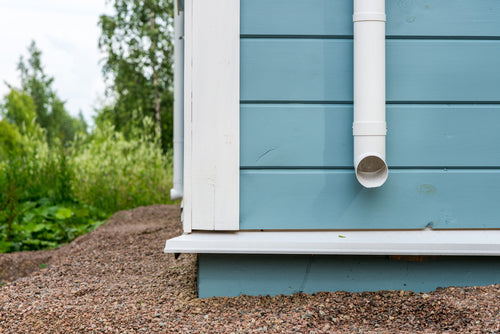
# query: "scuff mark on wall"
[[265, 153], [306, 274], [428, 189]]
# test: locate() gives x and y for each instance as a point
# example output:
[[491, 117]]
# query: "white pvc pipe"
[[178, 186], [369, 127]]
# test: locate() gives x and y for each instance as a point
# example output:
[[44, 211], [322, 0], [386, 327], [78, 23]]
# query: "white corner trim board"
[[177, 190], [369, 127], [414, 242], [211, 115]]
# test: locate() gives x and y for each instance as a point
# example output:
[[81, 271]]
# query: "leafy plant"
[[43, 224]]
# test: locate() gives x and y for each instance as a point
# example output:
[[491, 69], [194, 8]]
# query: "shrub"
[[114, 174]]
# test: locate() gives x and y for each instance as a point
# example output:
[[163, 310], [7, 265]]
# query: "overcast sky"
[[66, 31]]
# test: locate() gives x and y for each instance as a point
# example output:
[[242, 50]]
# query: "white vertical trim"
[[177, 189], [212, 115], [188, 55]]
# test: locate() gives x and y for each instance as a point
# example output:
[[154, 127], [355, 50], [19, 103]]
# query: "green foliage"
[[56, 181], [117, 174], [19, 130], [49, 109], [37, 206], [10, 139], [51, 195], [43, 224], [137, 42], [36, 83], [19, 110]]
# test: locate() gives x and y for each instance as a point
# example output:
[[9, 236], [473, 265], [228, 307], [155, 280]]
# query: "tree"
[[51, 113], [19, 110], [10, 139], [36, 84], [137, 41]]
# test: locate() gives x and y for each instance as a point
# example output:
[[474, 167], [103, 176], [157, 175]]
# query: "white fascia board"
[[421, 242]]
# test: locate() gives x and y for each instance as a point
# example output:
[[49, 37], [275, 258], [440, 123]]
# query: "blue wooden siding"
[[333, 198], [302, 135], [320, 70], [232, 275], [304, 18], [443, 114]]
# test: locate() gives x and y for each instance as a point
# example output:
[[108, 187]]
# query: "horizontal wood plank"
[[291, 135], [333, 199], [404, 17], [417, 70]]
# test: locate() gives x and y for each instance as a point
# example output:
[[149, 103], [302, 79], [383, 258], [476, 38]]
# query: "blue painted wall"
[[443, 114], [233, 275]]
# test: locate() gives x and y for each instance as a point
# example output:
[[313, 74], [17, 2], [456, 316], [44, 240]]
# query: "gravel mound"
[[117, 280]]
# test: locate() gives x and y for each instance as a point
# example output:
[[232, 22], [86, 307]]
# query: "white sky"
[[66, 31]]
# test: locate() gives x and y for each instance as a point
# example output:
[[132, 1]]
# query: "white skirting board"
[[414, 242]]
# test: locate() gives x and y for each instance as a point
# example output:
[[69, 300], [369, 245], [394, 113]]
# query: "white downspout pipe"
[[178, 186], [369, 127]]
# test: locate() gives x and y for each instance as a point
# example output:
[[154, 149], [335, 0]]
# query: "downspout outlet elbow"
[[175, 194], [369, 153], [371, 170]]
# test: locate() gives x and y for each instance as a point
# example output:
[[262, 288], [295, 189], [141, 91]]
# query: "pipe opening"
[[372, 171]]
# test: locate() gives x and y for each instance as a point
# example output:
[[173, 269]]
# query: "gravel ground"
[[117, 280]]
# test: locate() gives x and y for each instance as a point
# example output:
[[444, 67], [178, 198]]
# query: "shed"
[[265, 159]]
